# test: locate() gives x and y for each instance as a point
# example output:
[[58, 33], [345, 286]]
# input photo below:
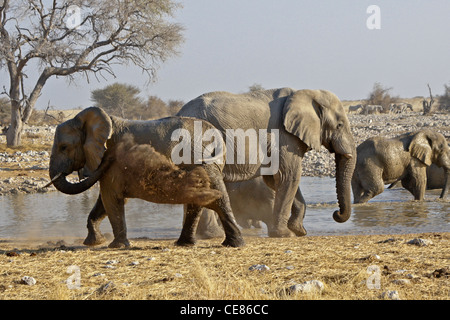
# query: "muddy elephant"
[[252, 203], [298, 120], [436, 178], [382, 161], [132, 159]]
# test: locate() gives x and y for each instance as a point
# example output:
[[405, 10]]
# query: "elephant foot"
[[185, 242], [281, 233], [234, 242], [299, 231], [94, 239], [118, 244]]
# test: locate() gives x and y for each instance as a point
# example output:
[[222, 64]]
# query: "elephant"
[[435, 177], [133, 159], [251, 201], [300, 120], [406, 157]]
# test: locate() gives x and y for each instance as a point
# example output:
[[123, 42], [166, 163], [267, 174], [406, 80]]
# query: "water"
[[55, 215]]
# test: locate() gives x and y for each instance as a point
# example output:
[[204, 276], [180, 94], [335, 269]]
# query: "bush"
[[381, 96]]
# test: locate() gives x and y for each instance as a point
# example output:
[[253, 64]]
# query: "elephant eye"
[[339, 125], [63, 148]]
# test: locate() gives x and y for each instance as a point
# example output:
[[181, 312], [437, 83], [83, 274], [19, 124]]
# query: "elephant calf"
[[135, 164], [252, 202], [383, 161]]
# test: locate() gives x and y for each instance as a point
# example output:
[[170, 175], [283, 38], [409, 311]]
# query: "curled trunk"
[[61, 184], [344, 172]]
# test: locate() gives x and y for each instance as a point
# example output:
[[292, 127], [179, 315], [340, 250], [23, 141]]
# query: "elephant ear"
[[302, 116], [420, 148], [97, 127]]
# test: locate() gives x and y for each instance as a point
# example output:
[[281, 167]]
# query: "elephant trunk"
[[446, 185], [58, 179], [345, 165]]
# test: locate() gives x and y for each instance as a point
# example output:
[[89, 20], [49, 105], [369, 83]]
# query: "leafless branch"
[[130, 31]]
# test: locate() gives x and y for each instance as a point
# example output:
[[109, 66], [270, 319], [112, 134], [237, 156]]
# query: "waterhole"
[[56, 215]]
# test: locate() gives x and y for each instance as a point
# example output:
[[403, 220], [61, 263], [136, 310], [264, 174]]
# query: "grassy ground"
[[156, 269]]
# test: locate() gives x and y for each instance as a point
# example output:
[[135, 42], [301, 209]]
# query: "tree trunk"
[[14, 133], [20, 113]]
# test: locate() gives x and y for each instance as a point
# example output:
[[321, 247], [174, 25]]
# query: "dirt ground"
[[349, 267]]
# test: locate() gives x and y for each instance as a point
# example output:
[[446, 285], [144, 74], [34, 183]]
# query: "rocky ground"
[[27, 170]]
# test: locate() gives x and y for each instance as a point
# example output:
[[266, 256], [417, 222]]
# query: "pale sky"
[[232, 44]]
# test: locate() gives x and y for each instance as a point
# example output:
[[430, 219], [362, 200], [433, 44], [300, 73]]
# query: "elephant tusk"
[[53, 180], [348, 155]]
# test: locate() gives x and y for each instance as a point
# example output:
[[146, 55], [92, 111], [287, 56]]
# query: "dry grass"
[[209, 271]]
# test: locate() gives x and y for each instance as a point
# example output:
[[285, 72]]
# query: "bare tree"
[[428, 105], [69, 37]]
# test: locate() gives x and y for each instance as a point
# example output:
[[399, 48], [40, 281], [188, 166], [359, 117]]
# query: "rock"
[[134, 263], [420, 242], [259, 267], [372, 257], [390, 295], [312, 286], [98, 274], [30, 281], [402, 282], [387, 240], [112, 262]]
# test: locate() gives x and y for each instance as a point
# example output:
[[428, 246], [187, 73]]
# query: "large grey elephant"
[[382, 161], [303, 120], [252, 202], [135, 164]]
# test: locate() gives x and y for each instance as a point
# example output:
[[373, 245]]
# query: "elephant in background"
[[136, 164], [383, 161], [436, 178], [252, 202], [304, 120]]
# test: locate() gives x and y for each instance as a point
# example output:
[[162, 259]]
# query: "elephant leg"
[[115, 209], [295, 222], [191, 220], [416, 184], [209, 226], [222, 206], [284, 199], [97, 214], [298, 208]]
